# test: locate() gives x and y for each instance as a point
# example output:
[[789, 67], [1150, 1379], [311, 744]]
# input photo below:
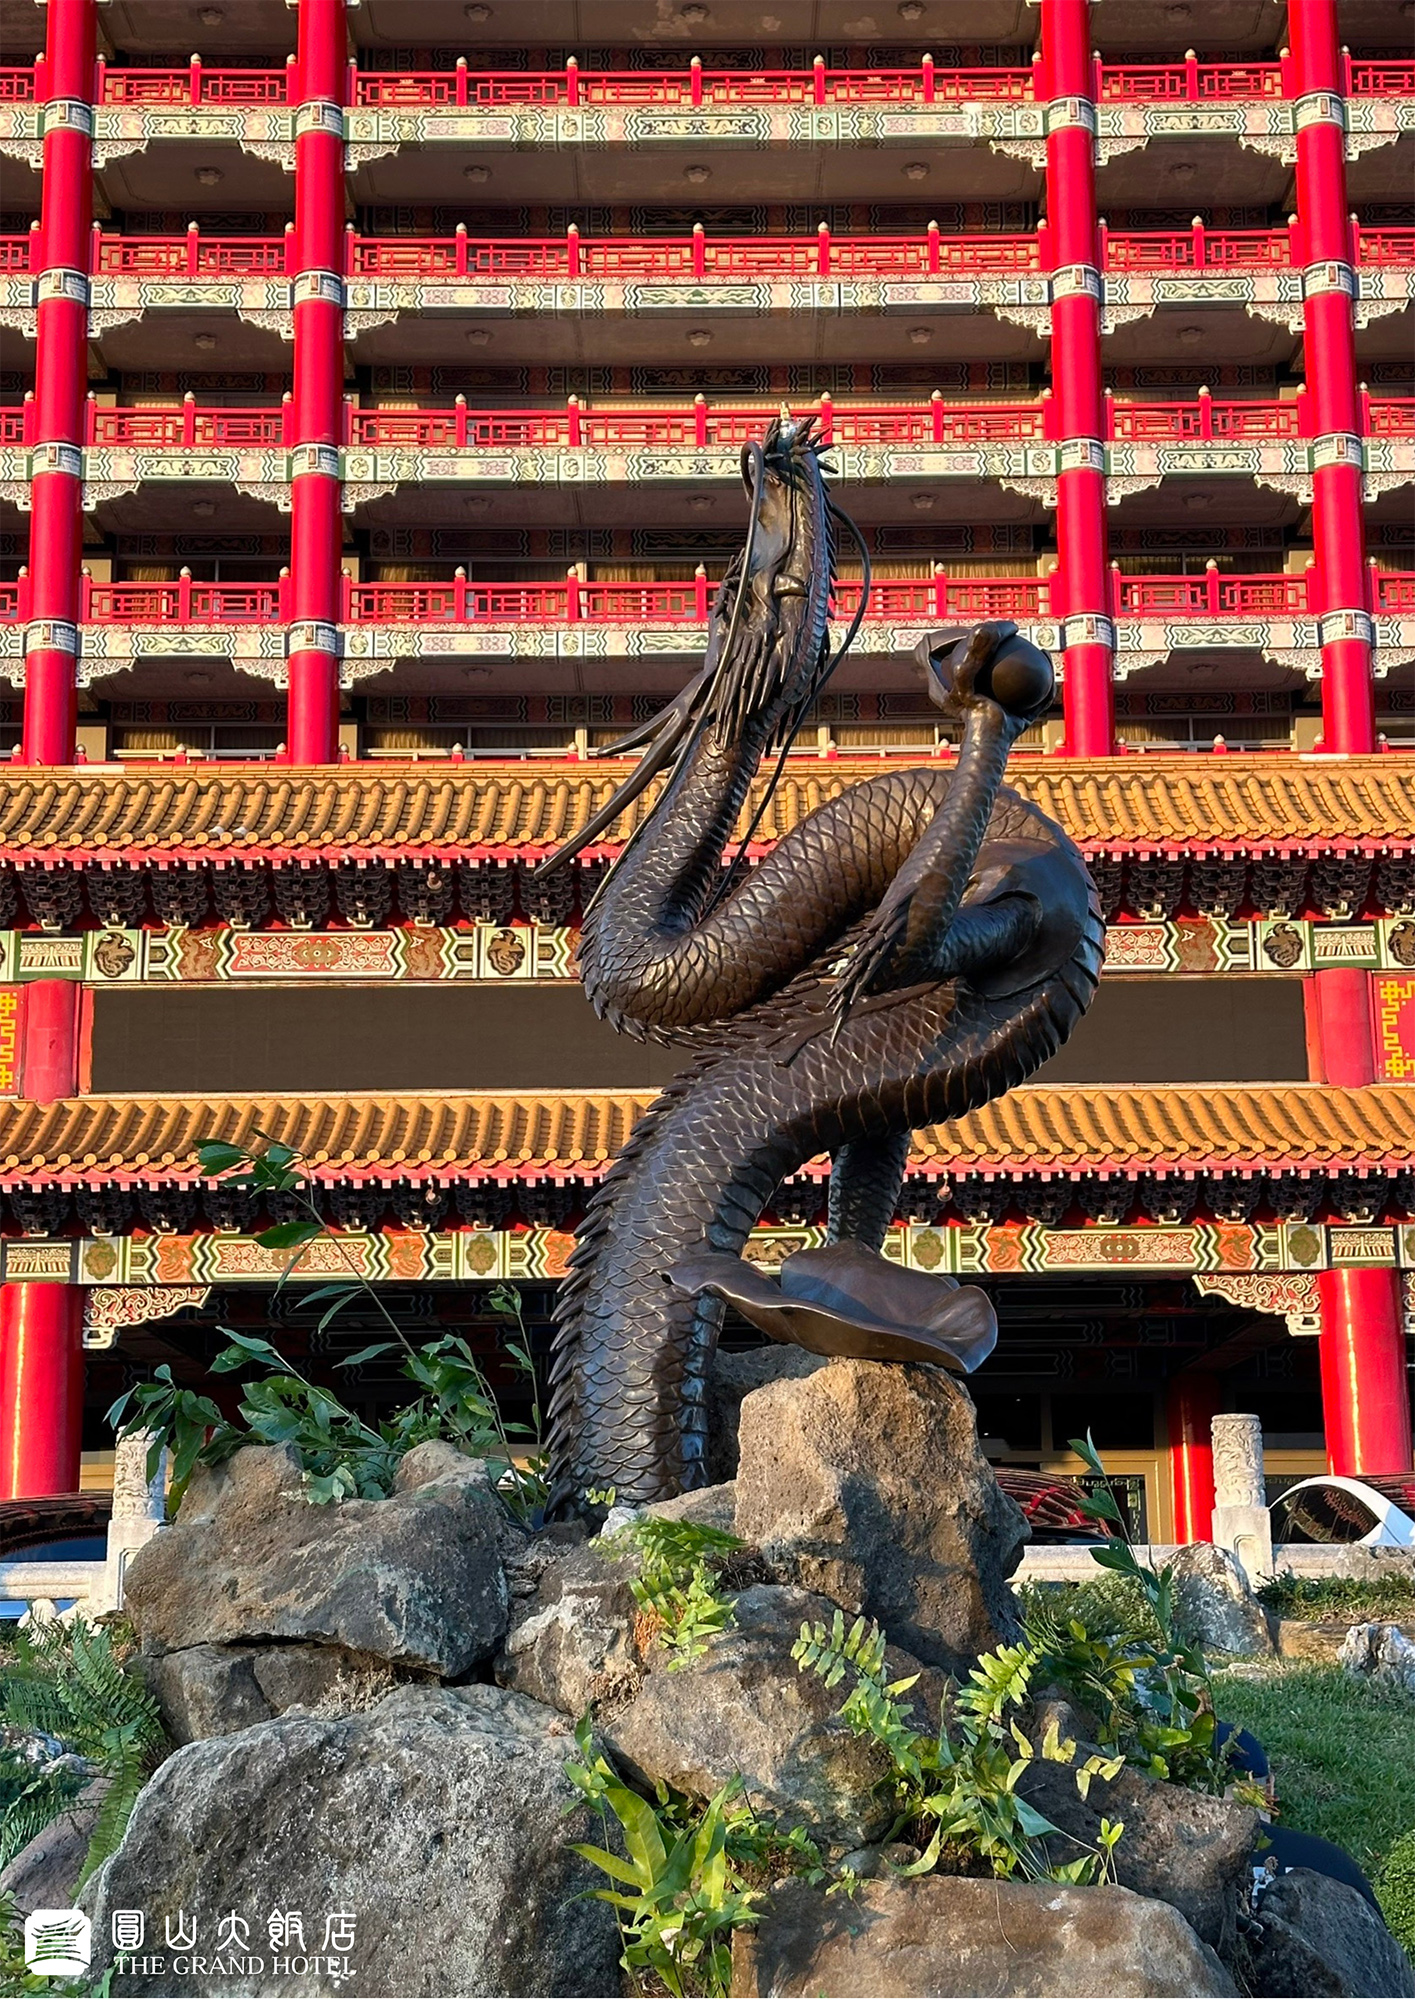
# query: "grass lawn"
[[1342, 1753]]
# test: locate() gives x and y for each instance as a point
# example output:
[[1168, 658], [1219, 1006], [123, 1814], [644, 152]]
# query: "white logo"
[[58, 1943], [128, 1929]]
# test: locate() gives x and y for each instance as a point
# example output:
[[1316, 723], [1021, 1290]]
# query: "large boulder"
[[1180, 1847], [437, 1820], [1322, 1936], [962, 1936], [44, 1875], [733, 1375], [864, 1481], [1380, 1652], [575, 1643], [744, 1708], [416, 1580], [1216, 1601], [215, 1690]]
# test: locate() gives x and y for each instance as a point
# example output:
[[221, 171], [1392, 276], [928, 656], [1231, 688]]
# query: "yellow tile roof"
[[1047, 1129], [505, 811]]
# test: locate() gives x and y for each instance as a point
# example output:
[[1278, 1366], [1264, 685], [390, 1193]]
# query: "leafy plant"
[[680, 1564], [1153, 1697], [66, 1681], [678, 1891], [955, 1792], [342, 1455], [1395, 1891]]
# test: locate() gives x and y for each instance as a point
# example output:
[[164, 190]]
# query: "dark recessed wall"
[[221, 1039]]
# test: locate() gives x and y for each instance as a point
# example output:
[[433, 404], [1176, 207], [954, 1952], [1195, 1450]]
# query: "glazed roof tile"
[[513, 811], [1041, 1129]]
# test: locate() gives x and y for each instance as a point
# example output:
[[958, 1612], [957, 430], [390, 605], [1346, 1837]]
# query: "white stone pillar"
[[1241, 1519]]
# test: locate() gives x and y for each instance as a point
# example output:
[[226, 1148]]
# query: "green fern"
[[67, 1681], [679, 1564]]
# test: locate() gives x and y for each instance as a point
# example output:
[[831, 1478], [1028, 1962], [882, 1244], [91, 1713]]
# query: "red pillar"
[[1192, 1404], [41, 1325], [1365, 1395], [1329, 282], [1365, 1390], [316, 529], [1080, 585], [49, 1039], [61, 374], [41, 1389]]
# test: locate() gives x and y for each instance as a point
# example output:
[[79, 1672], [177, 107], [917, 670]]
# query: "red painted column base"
[[41, 1389], [1365, 1387], [1191, 1406]]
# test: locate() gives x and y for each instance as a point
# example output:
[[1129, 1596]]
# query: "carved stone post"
[[139, 1510], [1241, 1519]]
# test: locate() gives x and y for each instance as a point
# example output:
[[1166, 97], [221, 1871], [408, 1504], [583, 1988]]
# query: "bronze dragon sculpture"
[[915, 947]]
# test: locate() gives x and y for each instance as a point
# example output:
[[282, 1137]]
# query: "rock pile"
[[376, 1702]]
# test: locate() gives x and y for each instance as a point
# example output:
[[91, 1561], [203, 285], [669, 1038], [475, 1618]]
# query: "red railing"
[[190, 255], [688, 600], [196, 84], [183, 603], [688, 257], [703, 256], [700, 424], [188, 425], [1189, 81], [183, 426]]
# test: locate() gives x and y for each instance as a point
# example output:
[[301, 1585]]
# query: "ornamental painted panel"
[[1395, 1028]]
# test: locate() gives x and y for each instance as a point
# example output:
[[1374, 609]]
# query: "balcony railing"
[[701, 424], [705, 257], [1187, 82], [687, 601]]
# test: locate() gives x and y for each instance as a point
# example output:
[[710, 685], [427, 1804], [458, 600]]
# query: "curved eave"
[[1121, 806], [1052, 1131]]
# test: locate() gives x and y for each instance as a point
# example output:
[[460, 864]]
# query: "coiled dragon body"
[[915, 947]]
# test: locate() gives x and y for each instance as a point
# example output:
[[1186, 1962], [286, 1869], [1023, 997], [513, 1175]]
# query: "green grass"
[[1342, 1752], [1332, 1598]]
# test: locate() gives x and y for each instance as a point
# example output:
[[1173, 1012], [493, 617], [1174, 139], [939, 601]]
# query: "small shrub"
[[955, 1794], [1388, 1596], [678, 1585], [679, 1890], [342, 1456], [1395, 1891]]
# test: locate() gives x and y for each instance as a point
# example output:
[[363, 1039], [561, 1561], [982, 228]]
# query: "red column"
[[41, 1389], [1365, 1390], [56, 477], [41, 1325], [49, 1039], [1080, 585], [1329, 285], [1365, 1396], [1191, 1406], [316, 529]]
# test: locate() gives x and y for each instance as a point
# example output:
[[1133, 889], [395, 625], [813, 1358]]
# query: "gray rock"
[[416, 1579], [437, 1462], [957, 1935], [574, 1643], [705, 1507], [1321, 1936], [744, 1707], [1216, 1601], [44, 1875], [1379, 1653], [205, 1691], [735, 1375], [1180, 1847], [864, 1481], [1316, 1640], [437, 1818]]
